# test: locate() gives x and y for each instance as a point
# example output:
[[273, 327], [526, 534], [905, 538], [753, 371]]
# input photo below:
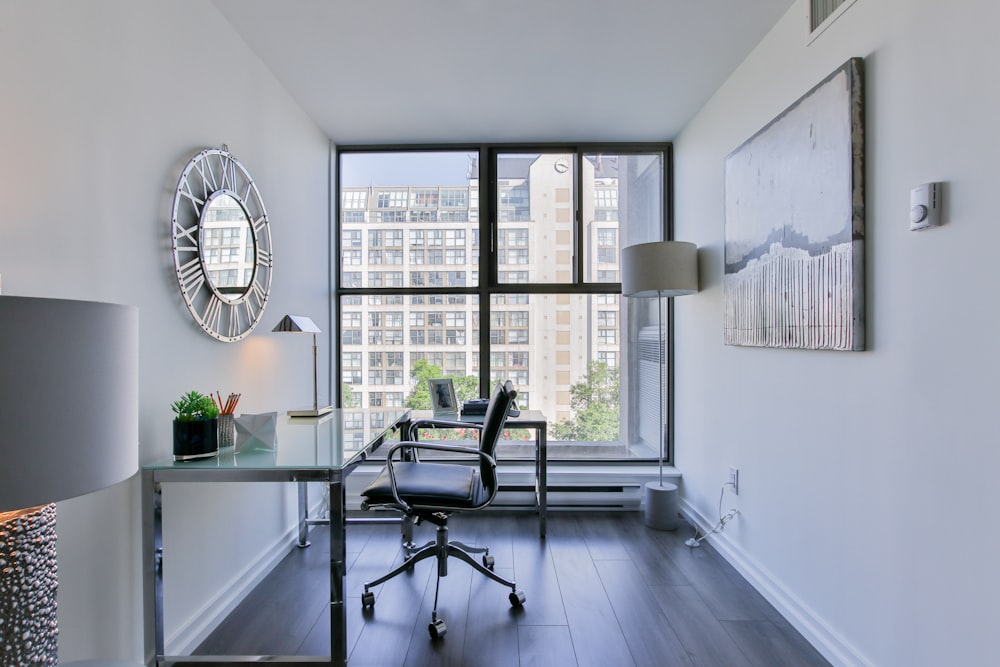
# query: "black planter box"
[[196, 439]]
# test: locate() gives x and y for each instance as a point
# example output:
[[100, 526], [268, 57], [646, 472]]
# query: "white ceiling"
[[446, 71]]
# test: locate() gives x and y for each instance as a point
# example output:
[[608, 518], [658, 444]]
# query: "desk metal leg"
[[152, 567], [303, 515], [338, 572], [541, 475]]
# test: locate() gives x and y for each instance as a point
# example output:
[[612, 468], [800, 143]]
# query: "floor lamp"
[[303, 324], [69, 387], [659, 270]]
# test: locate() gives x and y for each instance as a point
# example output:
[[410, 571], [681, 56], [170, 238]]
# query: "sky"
[[408, 168]]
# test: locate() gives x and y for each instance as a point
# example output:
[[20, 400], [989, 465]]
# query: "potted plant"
[[196, 426]]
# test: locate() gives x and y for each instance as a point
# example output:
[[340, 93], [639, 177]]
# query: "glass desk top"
[[330, 442]]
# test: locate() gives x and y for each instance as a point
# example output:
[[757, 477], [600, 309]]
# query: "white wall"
[[866, 479], [103, 103]]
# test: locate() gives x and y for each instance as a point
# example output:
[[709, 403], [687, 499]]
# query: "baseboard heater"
[[520, 493], [620, 496]]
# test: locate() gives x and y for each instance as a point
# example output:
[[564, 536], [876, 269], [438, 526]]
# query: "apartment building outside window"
[[545, 281]]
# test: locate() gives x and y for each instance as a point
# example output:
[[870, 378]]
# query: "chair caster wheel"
[[437, 628], [489, 562], [517, 598], [367, 600]]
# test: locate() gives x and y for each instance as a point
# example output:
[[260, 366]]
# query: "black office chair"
[[431, 491]]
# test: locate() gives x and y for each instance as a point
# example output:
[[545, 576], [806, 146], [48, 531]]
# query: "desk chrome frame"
[[534, 420], [152, 533]]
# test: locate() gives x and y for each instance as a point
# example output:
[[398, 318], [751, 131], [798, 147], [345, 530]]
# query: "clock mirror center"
[[227, 245]]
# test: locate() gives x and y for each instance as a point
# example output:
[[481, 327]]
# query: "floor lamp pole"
[[659, 347], [315, 378], [661, 498]]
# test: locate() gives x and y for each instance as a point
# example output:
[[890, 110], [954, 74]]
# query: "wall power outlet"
[[734, 480]]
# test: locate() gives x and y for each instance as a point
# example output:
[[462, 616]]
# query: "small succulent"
[[194, 406]]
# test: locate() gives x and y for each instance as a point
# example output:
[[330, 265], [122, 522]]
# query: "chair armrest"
[[437, 446], [430, 422]]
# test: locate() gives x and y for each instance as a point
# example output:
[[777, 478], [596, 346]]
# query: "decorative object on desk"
[[196, 426], [227, 430], [443, 400], [795, 209], [227, 420], [658, 270], [217, 203], [79, 359], [256, 431], [477, 408], [302, 324]]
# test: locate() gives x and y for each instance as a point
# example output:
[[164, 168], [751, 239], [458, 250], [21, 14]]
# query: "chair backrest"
[[493, 423]]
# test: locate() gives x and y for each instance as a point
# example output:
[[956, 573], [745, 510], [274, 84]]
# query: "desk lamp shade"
[[303, 324], [68, 426], [297, 324], [660, 269]]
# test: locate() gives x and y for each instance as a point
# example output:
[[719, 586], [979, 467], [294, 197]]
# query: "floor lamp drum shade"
[[660, 268], [69, 396], [69, 425]]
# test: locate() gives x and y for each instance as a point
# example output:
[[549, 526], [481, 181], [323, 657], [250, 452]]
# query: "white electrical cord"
[[719, 527]]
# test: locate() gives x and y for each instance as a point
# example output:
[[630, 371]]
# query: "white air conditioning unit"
[[650, 352]]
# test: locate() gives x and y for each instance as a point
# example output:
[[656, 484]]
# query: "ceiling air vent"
[[824, 12]]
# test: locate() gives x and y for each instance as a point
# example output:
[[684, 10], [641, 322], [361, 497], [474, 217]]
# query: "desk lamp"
[[303, 324], [660, 269], [69, 426]]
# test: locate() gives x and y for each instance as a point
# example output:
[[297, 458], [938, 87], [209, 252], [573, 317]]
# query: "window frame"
[[484, 209]]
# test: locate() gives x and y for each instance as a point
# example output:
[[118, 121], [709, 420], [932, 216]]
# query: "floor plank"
[[650, 637], [702, 634], [593, 626], [767, 645], [545, 646]]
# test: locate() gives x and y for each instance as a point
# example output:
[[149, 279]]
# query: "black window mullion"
[[487, 260], [579, 270]]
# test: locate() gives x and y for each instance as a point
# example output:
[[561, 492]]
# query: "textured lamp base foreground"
[[28, 580], [661, 505]]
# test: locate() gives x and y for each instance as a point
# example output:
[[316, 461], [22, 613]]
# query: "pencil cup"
[[227, 430]]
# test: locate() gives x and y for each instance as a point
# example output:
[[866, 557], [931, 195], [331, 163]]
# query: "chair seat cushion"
[[422, 483]]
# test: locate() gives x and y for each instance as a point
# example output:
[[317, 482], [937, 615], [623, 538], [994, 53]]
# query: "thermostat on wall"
[[925, 206]]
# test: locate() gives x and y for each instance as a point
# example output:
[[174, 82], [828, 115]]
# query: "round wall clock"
[[222, 245]]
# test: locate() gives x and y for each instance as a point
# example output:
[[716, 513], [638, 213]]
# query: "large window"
[[416, 282]]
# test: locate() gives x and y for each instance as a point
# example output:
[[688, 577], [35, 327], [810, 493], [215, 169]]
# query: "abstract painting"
[[794, 231]]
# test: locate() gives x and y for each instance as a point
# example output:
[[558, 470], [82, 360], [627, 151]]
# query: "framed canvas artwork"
[[794, 231]]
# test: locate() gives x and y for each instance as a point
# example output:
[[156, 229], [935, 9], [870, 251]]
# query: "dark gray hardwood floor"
[[602, 590]]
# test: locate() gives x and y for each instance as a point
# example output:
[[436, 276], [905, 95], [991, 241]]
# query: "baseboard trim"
[[816, 631]]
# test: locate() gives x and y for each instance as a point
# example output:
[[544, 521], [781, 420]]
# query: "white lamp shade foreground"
[[69, 396], [660, 269]]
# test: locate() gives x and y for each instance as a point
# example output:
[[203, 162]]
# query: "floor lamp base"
[[28, 581], [661, 506]]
